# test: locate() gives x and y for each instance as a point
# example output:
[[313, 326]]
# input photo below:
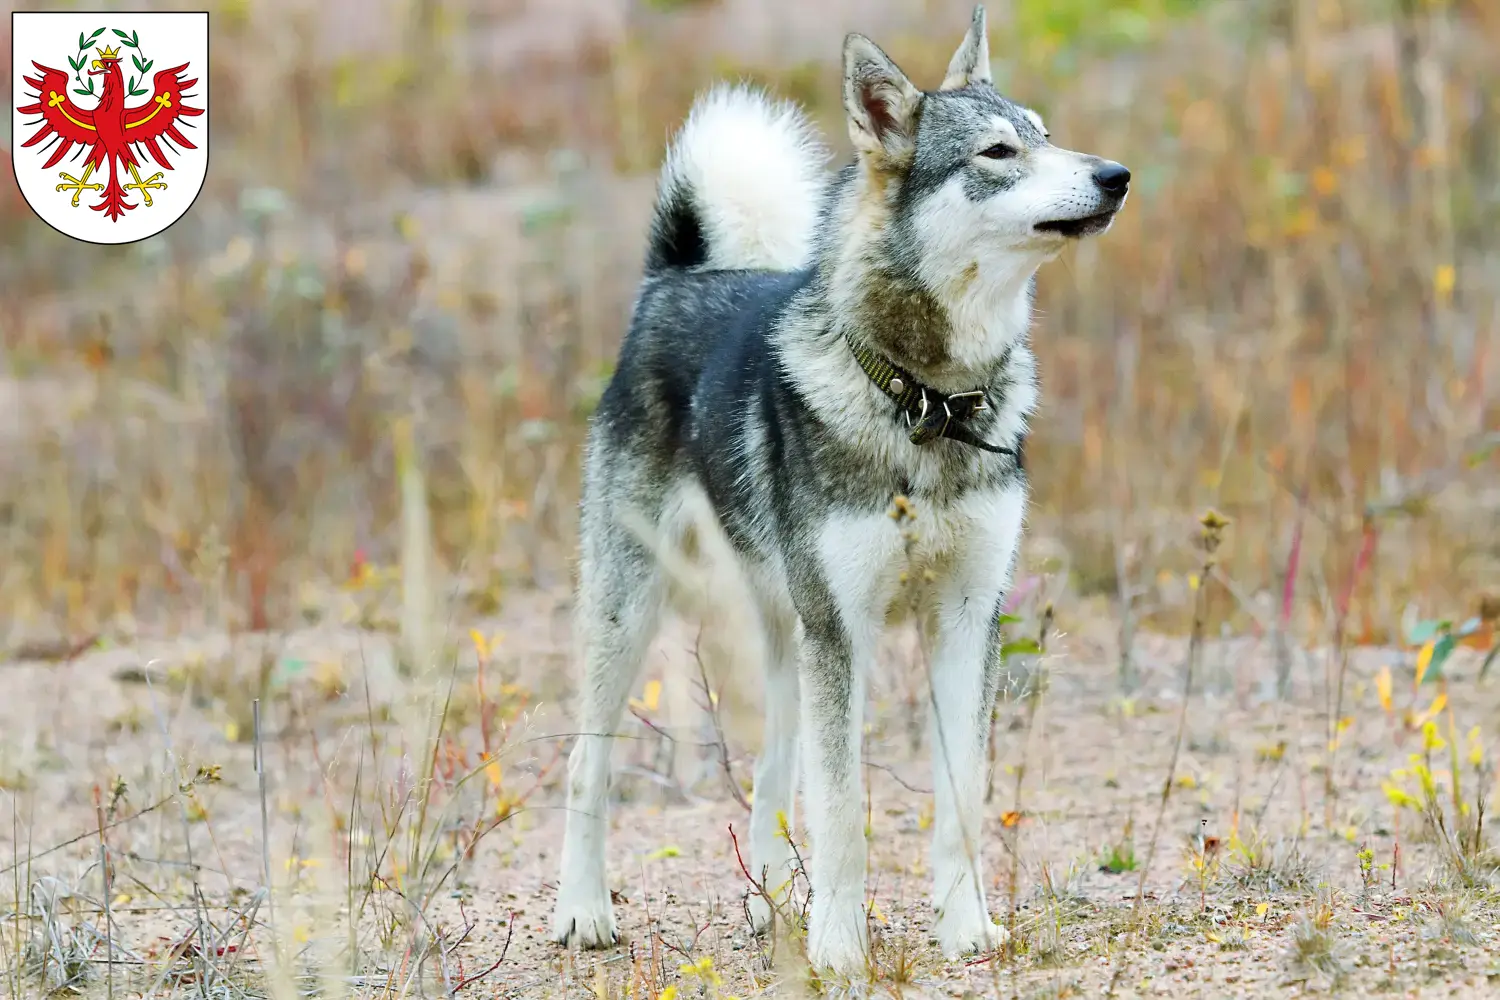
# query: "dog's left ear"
[[971, 63]]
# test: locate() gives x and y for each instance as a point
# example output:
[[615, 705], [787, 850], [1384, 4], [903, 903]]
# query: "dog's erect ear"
[[971, 63], [881, 102]]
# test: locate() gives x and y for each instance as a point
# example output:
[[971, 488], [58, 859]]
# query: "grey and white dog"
[[804, 348]]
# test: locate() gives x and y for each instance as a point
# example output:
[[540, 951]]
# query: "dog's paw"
[[962, 934], [588, 923], [836, 942]]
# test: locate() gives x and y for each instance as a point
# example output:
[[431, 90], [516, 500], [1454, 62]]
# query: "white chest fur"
[[958, 555]]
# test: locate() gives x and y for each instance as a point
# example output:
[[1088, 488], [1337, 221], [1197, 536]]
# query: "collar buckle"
[[924, 421]]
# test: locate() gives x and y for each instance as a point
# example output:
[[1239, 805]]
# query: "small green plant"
[[1255, 862], [1366, 859], [1458, 827], [1119, 857], [1316, 948]]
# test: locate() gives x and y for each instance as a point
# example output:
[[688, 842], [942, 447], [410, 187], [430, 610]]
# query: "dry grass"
[[400, 838], [275, 465]]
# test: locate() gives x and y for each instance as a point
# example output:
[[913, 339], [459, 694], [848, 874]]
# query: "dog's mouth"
[[1089, 225]]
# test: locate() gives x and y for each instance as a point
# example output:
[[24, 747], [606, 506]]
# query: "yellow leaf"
[[121, 899], [1325, 181], [232, 732], [1431, 741], [1383, 688], [481, 644], [1432, 712], [650, 698], [1271, 752], [1399, 797], [1424, 660], [670, 993], [1260, 910], [1302, 222], [1193, 581], [493, 772], [703, 969], [670, 851], [1443, 280]]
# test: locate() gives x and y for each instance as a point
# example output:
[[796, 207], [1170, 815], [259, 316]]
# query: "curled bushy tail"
[[740, 188]]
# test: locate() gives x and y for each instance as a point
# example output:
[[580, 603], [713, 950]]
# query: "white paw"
[[836, 941], [968, 931], [587, 920]]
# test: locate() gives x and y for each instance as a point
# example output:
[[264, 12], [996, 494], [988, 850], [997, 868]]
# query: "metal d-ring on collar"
[[929, 414]]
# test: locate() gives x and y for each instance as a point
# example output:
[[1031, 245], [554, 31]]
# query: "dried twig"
[[712, 707], [1213, 529], [504, 950]]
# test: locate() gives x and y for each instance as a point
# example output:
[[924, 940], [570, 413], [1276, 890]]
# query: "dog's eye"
[[999, 151]]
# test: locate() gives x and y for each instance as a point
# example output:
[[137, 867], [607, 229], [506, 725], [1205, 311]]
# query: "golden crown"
[[108, 53]]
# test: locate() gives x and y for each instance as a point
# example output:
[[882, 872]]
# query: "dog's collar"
[[930, 414]]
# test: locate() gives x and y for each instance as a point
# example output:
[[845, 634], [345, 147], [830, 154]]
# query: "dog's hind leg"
[[620, 594], [771, 855]]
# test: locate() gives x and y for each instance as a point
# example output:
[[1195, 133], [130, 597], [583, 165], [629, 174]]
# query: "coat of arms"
[[121, 131]]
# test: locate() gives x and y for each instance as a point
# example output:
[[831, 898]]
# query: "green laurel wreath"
[[86, 42]]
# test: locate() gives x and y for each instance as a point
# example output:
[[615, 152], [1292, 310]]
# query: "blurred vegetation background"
[[416, 250]]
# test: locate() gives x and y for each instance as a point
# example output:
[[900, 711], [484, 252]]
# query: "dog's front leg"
[[959, 726], [965, 666], [841, 601]]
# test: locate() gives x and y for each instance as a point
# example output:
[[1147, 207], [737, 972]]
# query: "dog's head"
[[975, 174]]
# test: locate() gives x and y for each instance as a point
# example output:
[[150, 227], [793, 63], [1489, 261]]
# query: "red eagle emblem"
[[112, 133]]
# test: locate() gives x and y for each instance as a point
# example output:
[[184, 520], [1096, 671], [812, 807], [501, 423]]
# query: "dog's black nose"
[[1112, 177]]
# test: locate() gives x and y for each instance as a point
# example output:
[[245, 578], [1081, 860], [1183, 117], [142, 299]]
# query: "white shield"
[[109, 134]]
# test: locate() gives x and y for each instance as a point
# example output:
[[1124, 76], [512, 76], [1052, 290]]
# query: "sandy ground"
[[1249, 847]]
